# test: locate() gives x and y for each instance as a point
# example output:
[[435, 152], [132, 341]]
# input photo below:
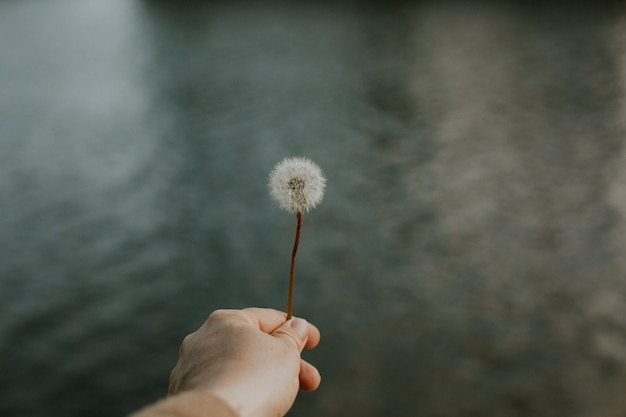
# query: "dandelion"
[[297, 185]]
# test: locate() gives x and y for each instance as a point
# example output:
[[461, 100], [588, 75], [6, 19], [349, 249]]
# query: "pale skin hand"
[[250, 358]]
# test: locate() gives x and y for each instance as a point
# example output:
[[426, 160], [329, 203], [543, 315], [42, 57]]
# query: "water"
[[468, 258]]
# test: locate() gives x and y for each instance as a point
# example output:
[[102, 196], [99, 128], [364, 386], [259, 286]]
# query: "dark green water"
[[469, 258]]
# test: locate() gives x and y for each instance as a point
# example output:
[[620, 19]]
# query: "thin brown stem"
[[292, 275]]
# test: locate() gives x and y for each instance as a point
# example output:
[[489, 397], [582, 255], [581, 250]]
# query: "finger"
[[314, 337], [310, 377], [267, 319], [296, 330]]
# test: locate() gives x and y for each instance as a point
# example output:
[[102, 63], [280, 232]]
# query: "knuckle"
[[222, 316], [184, 344], [219, 315], [291, 340], [172, 382]]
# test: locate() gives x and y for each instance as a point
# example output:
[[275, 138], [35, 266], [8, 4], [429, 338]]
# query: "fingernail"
[[300, 326]]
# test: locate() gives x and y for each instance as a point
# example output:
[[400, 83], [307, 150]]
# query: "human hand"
[[250, 358]]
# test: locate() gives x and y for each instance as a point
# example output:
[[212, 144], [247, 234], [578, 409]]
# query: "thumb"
[[296, 330]]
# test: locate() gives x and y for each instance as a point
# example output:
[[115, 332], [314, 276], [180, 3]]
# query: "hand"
[[250, 358]]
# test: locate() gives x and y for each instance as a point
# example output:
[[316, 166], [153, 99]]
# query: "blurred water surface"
[[468, 259]]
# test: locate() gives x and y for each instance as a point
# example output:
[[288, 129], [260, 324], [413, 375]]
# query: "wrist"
[[195, 403]]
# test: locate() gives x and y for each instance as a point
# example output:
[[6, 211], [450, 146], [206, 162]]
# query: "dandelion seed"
[[297, 185]]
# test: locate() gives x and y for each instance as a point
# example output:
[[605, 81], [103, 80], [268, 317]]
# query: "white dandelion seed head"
[[297, 184]]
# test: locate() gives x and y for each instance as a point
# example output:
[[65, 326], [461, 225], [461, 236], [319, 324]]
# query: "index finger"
[[269, 320]]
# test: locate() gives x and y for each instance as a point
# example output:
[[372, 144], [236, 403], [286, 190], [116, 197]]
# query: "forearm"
[[194, 403]]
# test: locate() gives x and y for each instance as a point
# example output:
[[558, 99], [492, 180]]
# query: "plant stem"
[[292, 274]]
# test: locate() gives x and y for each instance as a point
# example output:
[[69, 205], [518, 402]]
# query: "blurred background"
[[468, 258]]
